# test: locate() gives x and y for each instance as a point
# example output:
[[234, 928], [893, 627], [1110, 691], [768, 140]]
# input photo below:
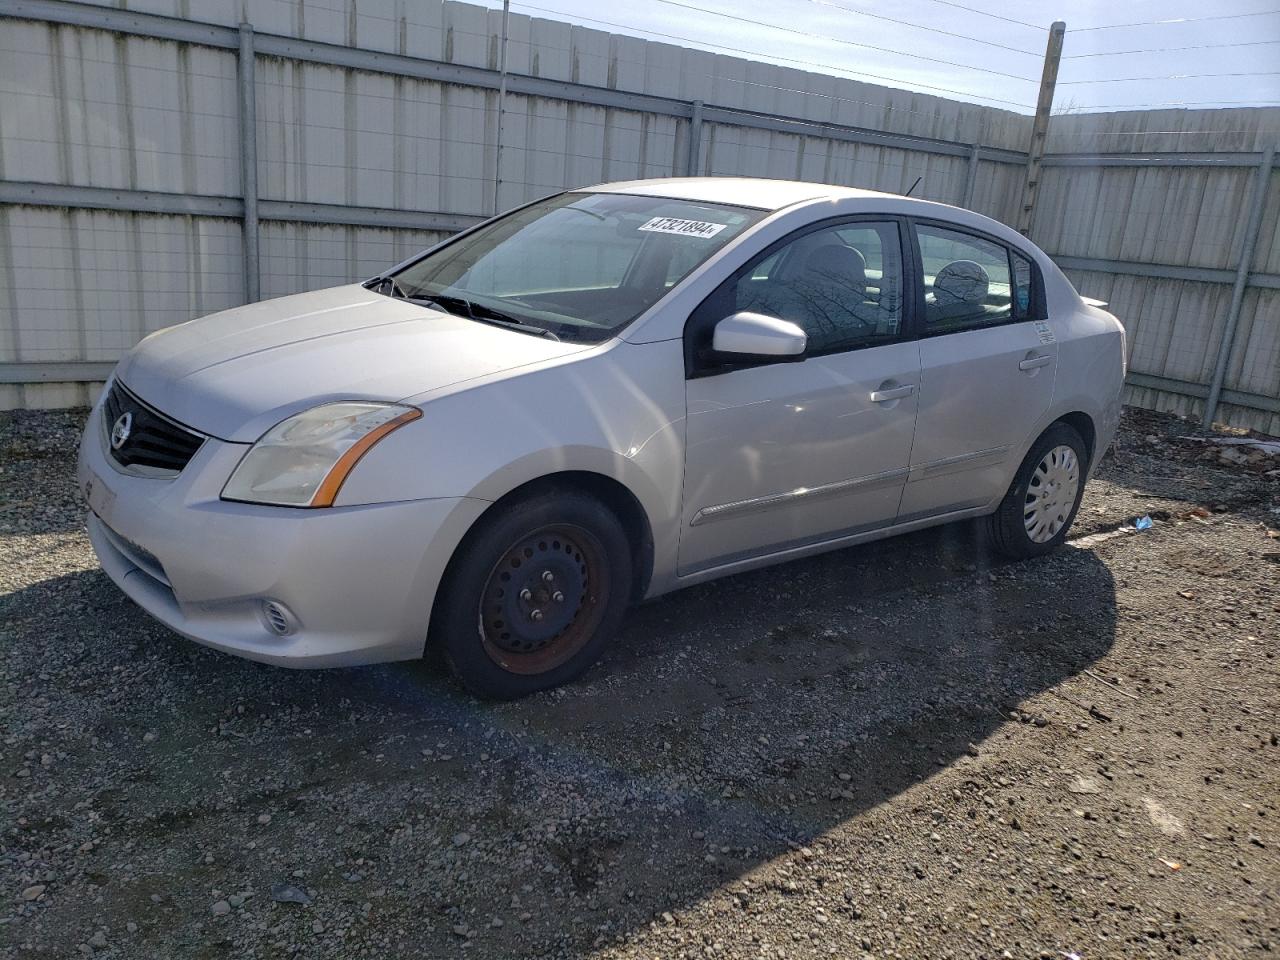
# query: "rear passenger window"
[[841, 285], [966, 281]]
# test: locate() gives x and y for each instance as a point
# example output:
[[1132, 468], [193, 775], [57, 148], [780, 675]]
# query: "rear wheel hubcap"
[[1051, 494]]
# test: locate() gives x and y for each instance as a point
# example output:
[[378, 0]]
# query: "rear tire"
[[534, 595], [1036, 513]]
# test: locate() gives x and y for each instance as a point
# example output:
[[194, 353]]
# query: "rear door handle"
[[896, 393], [1032, 362]]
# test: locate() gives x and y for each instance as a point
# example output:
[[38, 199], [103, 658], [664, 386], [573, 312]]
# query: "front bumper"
[[359, 581]]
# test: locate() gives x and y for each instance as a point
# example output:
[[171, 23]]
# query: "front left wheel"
[[534, 595]]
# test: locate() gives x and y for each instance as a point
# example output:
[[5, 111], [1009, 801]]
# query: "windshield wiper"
[[496, 319], [390, 287], [460, 306], [482, 314], [454, 305]]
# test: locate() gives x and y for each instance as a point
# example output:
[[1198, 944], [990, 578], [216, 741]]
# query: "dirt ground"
[[909, 749]]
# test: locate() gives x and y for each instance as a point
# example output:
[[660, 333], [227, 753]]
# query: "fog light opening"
[[278, 618]]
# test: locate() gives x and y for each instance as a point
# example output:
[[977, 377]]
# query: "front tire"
[[534, 595], [1036, 513]]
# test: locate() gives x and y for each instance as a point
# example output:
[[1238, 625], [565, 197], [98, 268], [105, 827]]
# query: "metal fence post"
[[970, 178], [249, 163], [695, 141], [502, 104], [1257, 203]]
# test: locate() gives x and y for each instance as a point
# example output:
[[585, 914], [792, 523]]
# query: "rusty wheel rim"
[[544, 599]]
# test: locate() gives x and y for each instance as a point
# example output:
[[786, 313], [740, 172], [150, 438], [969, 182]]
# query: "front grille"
[[153, 439]]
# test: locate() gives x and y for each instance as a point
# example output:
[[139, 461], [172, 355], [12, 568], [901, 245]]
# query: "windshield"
[[581, 265]]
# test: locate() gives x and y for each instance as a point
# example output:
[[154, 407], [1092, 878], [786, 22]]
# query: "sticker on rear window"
[[685, 228], [1046, 334]]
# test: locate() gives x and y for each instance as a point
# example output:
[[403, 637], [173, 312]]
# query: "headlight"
[[302, 461]]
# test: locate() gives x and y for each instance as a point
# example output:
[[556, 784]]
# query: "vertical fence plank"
[[1249, 243], [502, 105], [249, 163], [694, 159], [970, 178]]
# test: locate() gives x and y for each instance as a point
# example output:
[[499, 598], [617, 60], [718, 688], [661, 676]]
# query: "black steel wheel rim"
[[544, 599]]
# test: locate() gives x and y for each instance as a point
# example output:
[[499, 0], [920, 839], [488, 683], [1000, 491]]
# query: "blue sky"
[[992, 51]]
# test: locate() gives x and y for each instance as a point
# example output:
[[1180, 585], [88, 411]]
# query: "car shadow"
[[732, 724]]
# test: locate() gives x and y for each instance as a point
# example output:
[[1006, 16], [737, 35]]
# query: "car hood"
[[235, 374]]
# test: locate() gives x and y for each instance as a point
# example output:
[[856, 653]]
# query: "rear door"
[[780, 455], [988, 360]]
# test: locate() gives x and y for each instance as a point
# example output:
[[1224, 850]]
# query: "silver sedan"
[[602, 396]]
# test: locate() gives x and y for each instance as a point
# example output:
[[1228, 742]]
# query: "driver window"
[[842, 285]]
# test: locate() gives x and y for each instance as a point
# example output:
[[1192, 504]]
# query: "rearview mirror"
[[755, 335]]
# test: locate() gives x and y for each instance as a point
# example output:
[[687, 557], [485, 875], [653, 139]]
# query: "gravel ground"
[[909, 749]]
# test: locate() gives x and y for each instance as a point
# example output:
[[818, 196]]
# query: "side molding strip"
[[965, 461], [800, 495]]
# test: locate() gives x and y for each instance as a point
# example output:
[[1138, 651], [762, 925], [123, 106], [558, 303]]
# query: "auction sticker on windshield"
[[685, 228]]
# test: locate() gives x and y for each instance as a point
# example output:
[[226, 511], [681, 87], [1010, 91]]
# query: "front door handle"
[[895, 393], [1032, 362]]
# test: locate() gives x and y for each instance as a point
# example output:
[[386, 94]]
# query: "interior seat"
[[960, 291], [826, 293]]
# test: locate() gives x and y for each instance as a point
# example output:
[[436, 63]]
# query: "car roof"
[[757, 192], [777, 195]]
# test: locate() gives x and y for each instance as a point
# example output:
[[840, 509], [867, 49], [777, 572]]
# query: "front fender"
[[618, 413]]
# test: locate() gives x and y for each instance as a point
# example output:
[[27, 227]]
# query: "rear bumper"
[[359, 582]]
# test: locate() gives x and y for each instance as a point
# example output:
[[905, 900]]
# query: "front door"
[[787, 454], [987, 365]]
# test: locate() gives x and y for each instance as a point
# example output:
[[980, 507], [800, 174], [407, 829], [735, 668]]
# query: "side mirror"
[[755, 336]]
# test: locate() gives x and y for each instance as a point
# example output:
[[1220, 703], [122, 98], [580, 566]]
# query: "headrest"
[[961, 281], [837, 263]]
